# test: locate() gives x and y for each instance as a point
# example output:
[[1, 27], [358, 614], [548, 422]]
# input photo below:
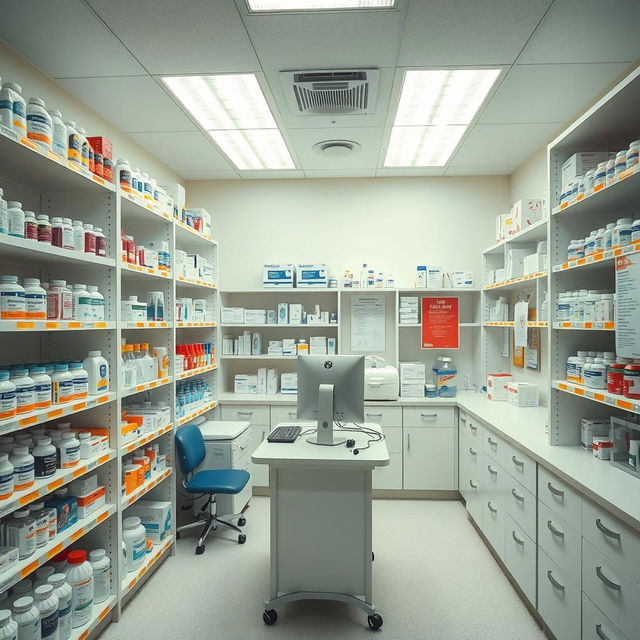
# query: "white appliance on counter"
[[380, 382]]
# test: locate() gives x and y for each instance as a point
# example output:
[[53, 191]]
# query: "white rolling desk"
[[321, 544]]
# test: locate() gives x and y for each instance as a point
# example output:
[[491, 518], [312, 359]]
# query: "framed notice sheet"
[[368, 324]]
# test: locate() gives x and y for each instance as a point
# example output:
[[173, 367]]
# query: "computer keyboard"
[[284, 434]]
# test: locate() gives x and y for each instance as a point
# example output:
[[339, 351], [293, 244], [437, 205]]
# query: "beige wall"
[[34, 83], [529, 180]]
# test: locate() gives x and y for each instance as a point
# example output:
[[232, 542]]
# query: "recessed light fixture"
[[262, 6], [233, 109], [435, 109]]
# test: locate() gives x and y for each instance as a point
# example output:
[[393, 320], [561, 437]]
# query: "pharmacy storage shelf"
[[261, 356], [134, 496], [98, 613], [142, 440], [185, 282], [462, 325], [53, 325], [324, 325], [516, 283], [146, 386], [195, 372], [499, 324], [604, 397], [198, 412], [135, 270], [195, 325], [187, 234], [533, 233], [136, 209], [133, 577], [586, 326], [601, 258], [146, 325]]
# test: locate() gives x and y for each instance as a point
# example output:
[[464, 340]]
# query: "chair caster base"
[[242, 538], [199, 549], [269, 617], [241, 522], [375, 621]]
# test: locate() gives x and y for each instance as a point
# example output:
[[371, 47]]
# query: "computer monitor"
[[330, 388]]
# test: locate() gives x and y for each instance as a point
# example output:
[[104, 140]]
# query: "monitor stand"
[[324, 434]]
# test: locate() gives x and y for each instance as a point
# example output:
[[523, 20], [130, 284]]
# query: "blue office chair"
[[191, 453]]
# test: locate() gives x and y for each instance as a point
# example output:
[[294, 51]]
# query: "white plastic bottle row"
[[616, 234]]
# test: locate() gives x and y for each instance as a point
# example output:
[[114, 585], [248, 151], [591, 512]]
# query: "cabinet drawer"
[[519, 465], [611, 590], [428, 417], [595, 625], [470, 429], [384, 416], [493, 523], [472, 456], [240, 446], [520, 504], [389, 477], [492, 476], [259, 472], [558, 599], [393, 439], [618, 542], [520, 558], [492, 445], [254, 414], [560, 497], [283, 413], [469, 484], [561, 541], [429, 459]]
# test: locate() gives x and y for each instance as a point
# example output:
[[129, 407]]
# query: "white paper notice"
[[368, 323], [628, 306], [520, 317]]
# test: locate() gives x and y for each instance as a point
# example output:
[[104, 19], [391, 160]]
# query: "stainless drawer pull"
[[293, 414], [515, 494], [408, 441], [473, 485], [556, 492], [473, 428], [374, 415], [492, 471], [517, 540], [554, 582], [518, 463], [428, 415], [606, 530], [556, 532], [601, 634], [609, 583], [472, 451], [493, 443], [492, 509], [245, 413]]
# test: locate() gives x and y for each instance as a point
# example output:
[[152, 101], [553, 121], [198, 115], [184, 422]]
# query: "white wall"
[[393, 224], [34, 83]]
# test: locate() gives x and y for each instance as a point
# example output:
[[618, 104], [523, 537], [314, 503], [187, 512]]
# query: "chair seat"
[[218, 481]]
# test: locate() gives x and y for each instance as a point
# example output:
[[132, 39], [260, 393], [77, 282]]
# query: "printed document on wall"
[[368, 324], [628, 306], [520, 317]]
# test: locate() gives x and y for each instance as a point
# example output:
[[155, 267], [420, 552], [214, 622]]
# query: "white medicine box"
[[579, 163], [522, 394], [232, 315], [524, 213], [278, 275], [311, 275], [155, 516], [413, 372], [514, 267], [497, 386], [534, 263]]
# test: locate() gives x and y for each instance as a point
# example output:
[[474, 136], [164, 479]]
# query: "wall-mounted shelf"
[[517, 283]]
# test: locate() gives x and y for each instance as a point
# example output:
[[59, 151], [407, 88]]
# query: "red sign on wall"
[[440, 323]]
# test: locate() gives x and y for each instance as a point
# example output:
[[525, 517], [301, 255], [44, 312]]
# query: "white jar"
[[69, 451], [23, 473], [575, 250], [20, 532], [86, 449], [122, 173], [30, 231], [27, 617], [80, 380], [4, 222], [563, 307], [59, 134], [44, 229], [78, 236], [59, 301], [74, 148], [608, 236], [13, 109], [67, 234], [63, 590], [82, 305], [35, 298], [622, 232], [596, 375], [12, 300], [8, 626], [41, 517], [101, 242], [635, 231], [61, 384], [611, 172], [97, 302], [621, 163], [39, 125], [589, 306], [80, 577], [21, 589], [6, 476], [47, 604], [45, 458], [42, 386], [98, 369], [590, 243], [135, 538], [84, 147], [599, 241], [25, 391], [15, 219], [101, 566]]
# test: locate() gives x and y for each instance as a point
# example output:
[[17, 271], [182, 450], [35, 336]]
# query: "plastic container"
[[63, 590], [635, 231], [20, 532], [78, 236], [35, 298], [590, 244], [589, 306], [80, 380], [600, 178], [23, 464], [599, 241], [80, 577], [85, 155], [74, 148], [6, 476], [446, 378], [41, 516], [98, 369], [595, 376], [62, 391], [42, 387], [39, 125], [575, 250], [30, 231], [7, 396], [97, 302], [622, 232], [69, 451], [621, 163], [430, 390], [101, 566], [631, 381], [134, 537], [67, 234], [89, 238], [12, 300], [21, 589], [611, 172], [58, 134], [8, 626], [82, 303], [45, 458], [101, 242], [47, 603], [59, 301], [13, 109], [27, 617], [4, 222], [25, 391]]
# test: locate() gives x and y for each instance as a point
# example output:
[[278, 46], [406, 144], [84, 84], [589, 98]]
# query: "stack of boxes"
[[265, 382], [412, 379], [409, 310], [524, 213], [308, 274]]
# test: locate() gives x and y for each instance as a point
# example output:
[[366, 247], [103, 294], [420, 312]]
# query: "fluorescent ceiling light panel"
[[422, 146], [317, 5], [234, 104]]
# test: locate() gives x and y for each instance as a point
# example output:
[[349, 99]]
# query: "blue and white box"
[[311, 275], [278, 275]]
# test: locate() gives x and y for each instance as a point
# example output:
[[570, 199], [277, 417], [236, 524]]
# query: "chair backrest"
[[191, 450]]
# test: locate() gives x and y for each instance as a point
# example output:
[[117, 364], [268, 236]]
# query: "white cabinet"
[[430, 417], [520, 504], [429, 458], [390, 477], [259, 472], [520, 558], [254, 414], [470, 477], [384, 416], [280, 413], [560, 541], [493, 511], [595, 625], [560, 497]]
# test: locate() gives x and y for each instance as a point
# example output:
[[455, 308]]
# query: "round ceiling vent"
[[336, 148]]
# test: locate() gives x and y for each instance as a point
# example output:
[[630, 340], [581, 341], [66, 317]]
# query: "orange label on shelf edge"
[[77, 534], [52, 486], [103, 459], [578, 392], [25, 325], [30, 568], [25, 422], [79, 472], [55, 551], [28, 498]]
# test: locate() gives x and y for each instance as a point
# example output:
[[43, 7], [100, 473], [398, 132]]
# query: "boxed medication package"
[[255, 316], [311, 275], [295, 314], [8, 558], [273, 382], [289, 347], [460, 279], [522, 394], [232, 315], [413, 372], [535, 263], [434, 278], [591, 428], [289, 383], [579, 163], [278, 275], [90, 501], [155, 516], [497, 386], [318, 345], [524, 213], [283, 313], [514, 267], [245, 383], [66, 510]]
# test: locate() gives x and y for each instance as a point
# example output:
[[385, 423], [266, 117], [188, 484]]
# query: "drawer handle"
[[556, 532], [517, 496], [428, 415], [517, 540], [473, 428], [472, 451], [553, 581], [606, 530], [609, 583], [518, 463], [375, 415], [601, 634], [474, 485], [408, 441], [556, 492], [245, 413], [493, 443], [293, 414], [492, 509], [492, 471]]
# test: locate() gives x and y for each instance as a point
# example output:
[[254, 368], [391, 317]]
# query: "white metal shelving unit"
[[47, 184]]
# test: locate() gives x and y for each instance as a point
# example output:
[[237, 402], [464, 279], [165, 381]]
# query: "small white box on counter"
[[412, 389], [497, 386], [413, 372], [278, 275], [232, 315], [460, 279], [522, 394], [434, 278]]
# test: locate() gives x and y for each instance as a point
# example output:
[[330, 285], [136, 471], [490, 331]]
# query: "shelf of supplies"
[[532, 233], [597, 258], [50, 413], [589, 326], [28, 164], [133, 577], [198, 412], [532, 324], [196, 372], [623, 192], [61, 541], [130, 324], [43, 486], [180, 281], [98, 613], [462, 325], [142, 440], [137, 270], [499, 324], [295, 290], [21, 248], [138, 209], [145, 386], [324, 325], [261, 356], [187, 233], [516, 283], [432, 291], [53, 325], [255, 398], [190, 325], [603, 397], [127, 501]]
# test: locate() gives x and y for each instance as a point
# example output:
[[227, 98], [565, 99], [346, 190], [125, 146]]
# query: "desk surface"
[[303, 453]]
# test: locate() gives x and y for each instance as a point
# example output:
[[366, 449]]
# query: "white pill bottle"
[[27, 616], [80, 576], [63, 590], [8, 626]]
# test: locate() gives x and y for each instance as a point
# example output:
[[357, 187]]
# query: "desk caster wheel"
[[270, 617], [242, 538], [375, 621], [241, 522], [199, 549]]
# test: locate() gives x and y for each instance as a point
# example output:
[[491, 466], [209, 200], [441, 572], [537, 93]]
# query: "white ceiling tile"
[[526, 95], [410, 171], [131, 103], [210, 175], [169, 37], [65, 39], [587, 31], [342, 173], [460, 32], [503, 145], [480, 171], [185, 151], [271, 175]]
